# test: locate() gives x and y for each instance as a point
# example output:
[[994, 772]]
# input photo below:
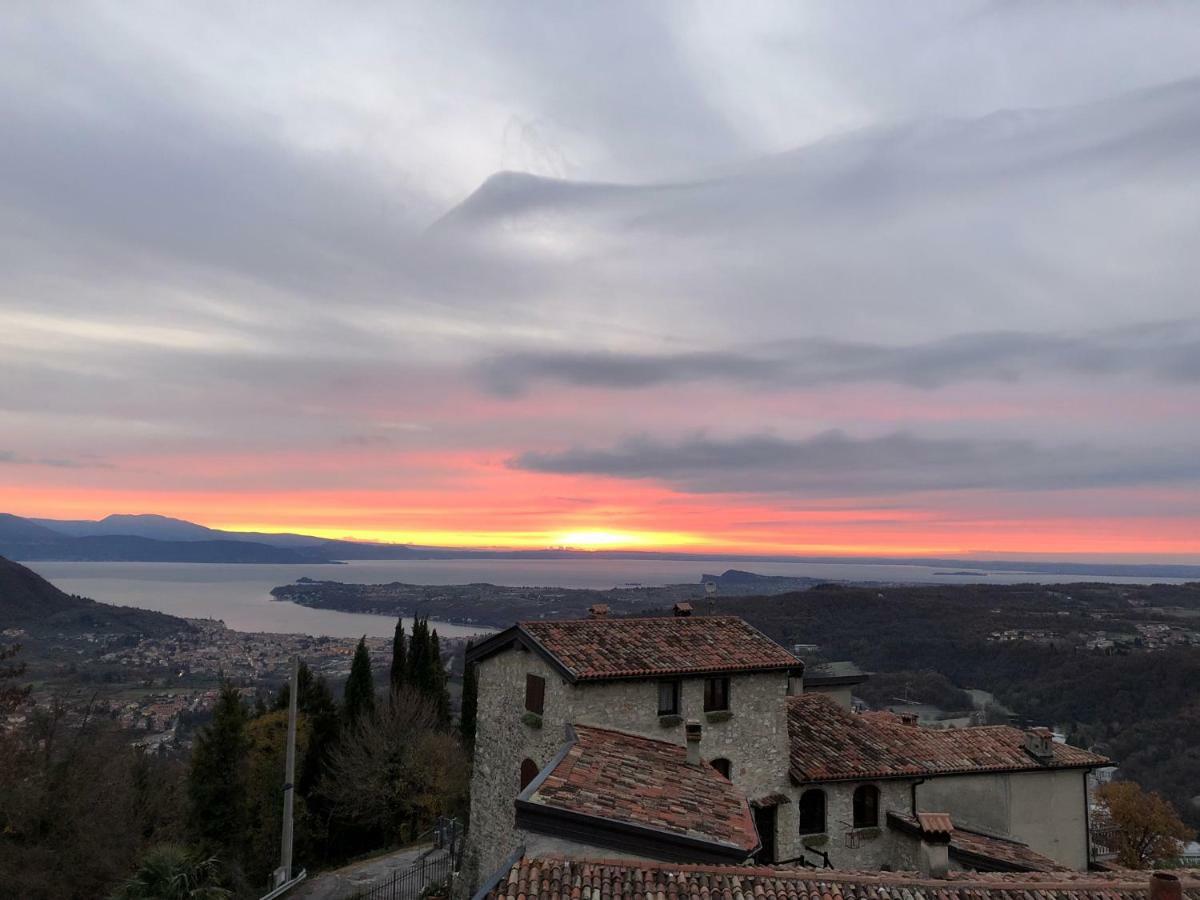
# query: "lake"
[[240, 594]]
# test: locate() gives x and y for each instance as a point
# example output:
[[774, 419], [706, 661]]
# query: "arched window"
[[866, 806], [529, 770], [722, 766], [812, 812]]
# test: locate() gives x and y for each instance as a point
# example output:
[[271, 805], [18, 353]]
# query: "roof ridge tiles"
[[956, 881]]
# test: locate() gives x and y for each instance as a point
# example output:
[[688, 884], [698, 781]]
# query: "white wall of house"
[[1044, 809]]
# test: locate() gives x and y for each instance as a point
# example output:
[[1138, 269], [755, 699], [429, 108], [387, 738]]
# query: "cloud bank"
[[362, 262]]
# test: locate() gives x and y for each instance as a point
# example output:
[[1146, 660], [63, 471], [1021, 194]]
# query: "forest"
[[85, 814]]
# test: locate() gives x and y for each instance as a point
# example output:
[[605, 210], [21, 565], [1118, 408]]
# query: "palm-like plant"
[[171, 872]]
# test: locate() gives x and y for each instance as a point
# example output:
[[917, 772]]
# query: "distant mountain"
[[31, 602], [14, 528], [159, 528], [59, 540], [43, 540]]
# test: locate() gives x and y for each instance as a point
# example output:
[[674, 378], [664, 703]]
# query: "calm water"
[[240, 594]]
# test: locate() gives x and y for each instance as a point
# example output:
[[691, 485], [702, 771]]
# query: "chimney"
[[682, 609], [692, 732], [1164, 886], [795, 685], [933, 857], [598, 610], [1040, 743], [909, 719]]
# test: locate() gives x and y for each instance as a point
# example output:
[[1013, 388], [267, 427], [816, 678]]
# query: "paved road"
[[344, 881]]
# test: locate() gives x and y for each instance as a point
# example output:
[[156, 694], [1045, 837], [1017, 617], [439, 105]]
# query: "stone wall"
[[753, 737], [849, 847]]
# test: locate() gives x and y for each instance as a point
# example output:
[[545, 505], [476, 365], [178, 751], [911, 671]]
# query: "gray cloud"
[[1170, 352], [8, 457], [835, 464]]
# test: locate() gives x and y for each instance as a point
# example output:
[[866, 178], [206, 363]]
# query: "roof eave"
[[799, 777], [557, 821]]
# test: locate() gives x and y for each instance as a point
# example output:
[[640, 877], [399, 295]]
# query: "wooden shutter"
[[535, 693]]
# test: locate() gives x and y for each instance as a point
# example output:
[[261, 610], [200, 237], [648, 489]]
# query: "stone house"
[[694, 739]]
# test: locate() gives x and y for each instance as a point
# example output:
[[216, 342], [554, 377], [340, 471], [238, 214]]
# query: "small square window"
[[668, 698], [716, 694], [535, 693]]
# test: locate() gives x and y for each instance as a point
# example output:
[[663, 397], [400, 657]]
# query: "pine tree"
[[399, 673], [470, 701], [359, 697], [217, 814]]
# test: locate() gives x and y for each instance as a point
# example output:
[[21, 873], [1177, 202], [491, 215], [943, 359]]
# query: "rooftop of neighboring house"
[[836, 673], [599, 649], [829, 743], [624, 787], [975, 849], [559, 878]]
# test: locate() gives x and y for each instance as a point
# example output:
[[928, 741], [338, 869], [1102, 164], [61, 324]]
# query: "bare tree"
[[395, 770]]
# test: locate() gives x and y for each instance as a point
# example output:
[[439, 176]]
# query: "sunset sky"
[[839, 278]]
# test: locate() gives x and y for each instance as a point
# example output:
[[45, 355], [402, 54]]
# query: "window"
[[812, 812], [529, 770], [716, 694], [535, 693], [722, 766], [866, 806], [668, 698]]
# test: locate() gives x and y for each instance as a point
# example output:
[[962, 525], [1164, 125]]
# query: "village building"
[[695, 739]]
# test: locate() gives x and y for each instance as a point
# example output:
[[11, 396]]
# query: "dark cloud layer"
[[1168, 352], [833, 463]]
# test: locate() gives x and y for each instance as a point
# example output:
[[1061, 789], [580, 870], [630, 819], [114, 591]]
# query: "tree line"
[[84, 814]]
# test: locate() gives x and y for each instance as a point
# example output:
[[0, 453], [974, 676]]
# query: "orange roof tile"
[[975, 849], [647, 783], [596, 649], [829, 743], [556, 878]]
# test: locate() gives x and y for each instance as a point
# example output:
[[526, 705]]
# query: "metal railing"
[[432, 876], [1104, 842]]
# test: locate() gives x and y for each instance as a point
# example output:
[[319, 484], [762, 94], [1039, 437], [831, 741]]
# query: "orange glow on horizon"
[[505, 510]]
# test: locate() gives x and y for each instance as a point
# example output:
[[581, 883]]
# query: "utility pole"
[[284, 873]]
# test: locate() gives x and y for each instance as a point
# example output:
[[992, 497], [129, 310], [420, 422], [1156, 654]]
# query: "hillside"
[[30, 602]]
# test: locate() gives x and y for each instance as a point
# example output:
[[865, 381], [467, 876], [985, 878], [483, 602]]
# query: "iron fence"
[[1104, 842], [431, 877]]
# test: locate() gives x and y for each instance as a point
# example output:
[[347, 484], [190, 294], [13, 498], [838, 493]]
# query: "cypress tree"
[[470, 702], [360, 686], [399, 673], [418, 657], [439, 690], [217, 813]]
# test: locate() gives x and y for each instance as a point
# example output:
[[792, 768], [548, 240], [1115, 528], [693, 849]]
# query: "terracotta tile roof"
[[977, 850], [967, 845], [830, 743], [935, 823], [555, 878], [595, 649], [643, 782]]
